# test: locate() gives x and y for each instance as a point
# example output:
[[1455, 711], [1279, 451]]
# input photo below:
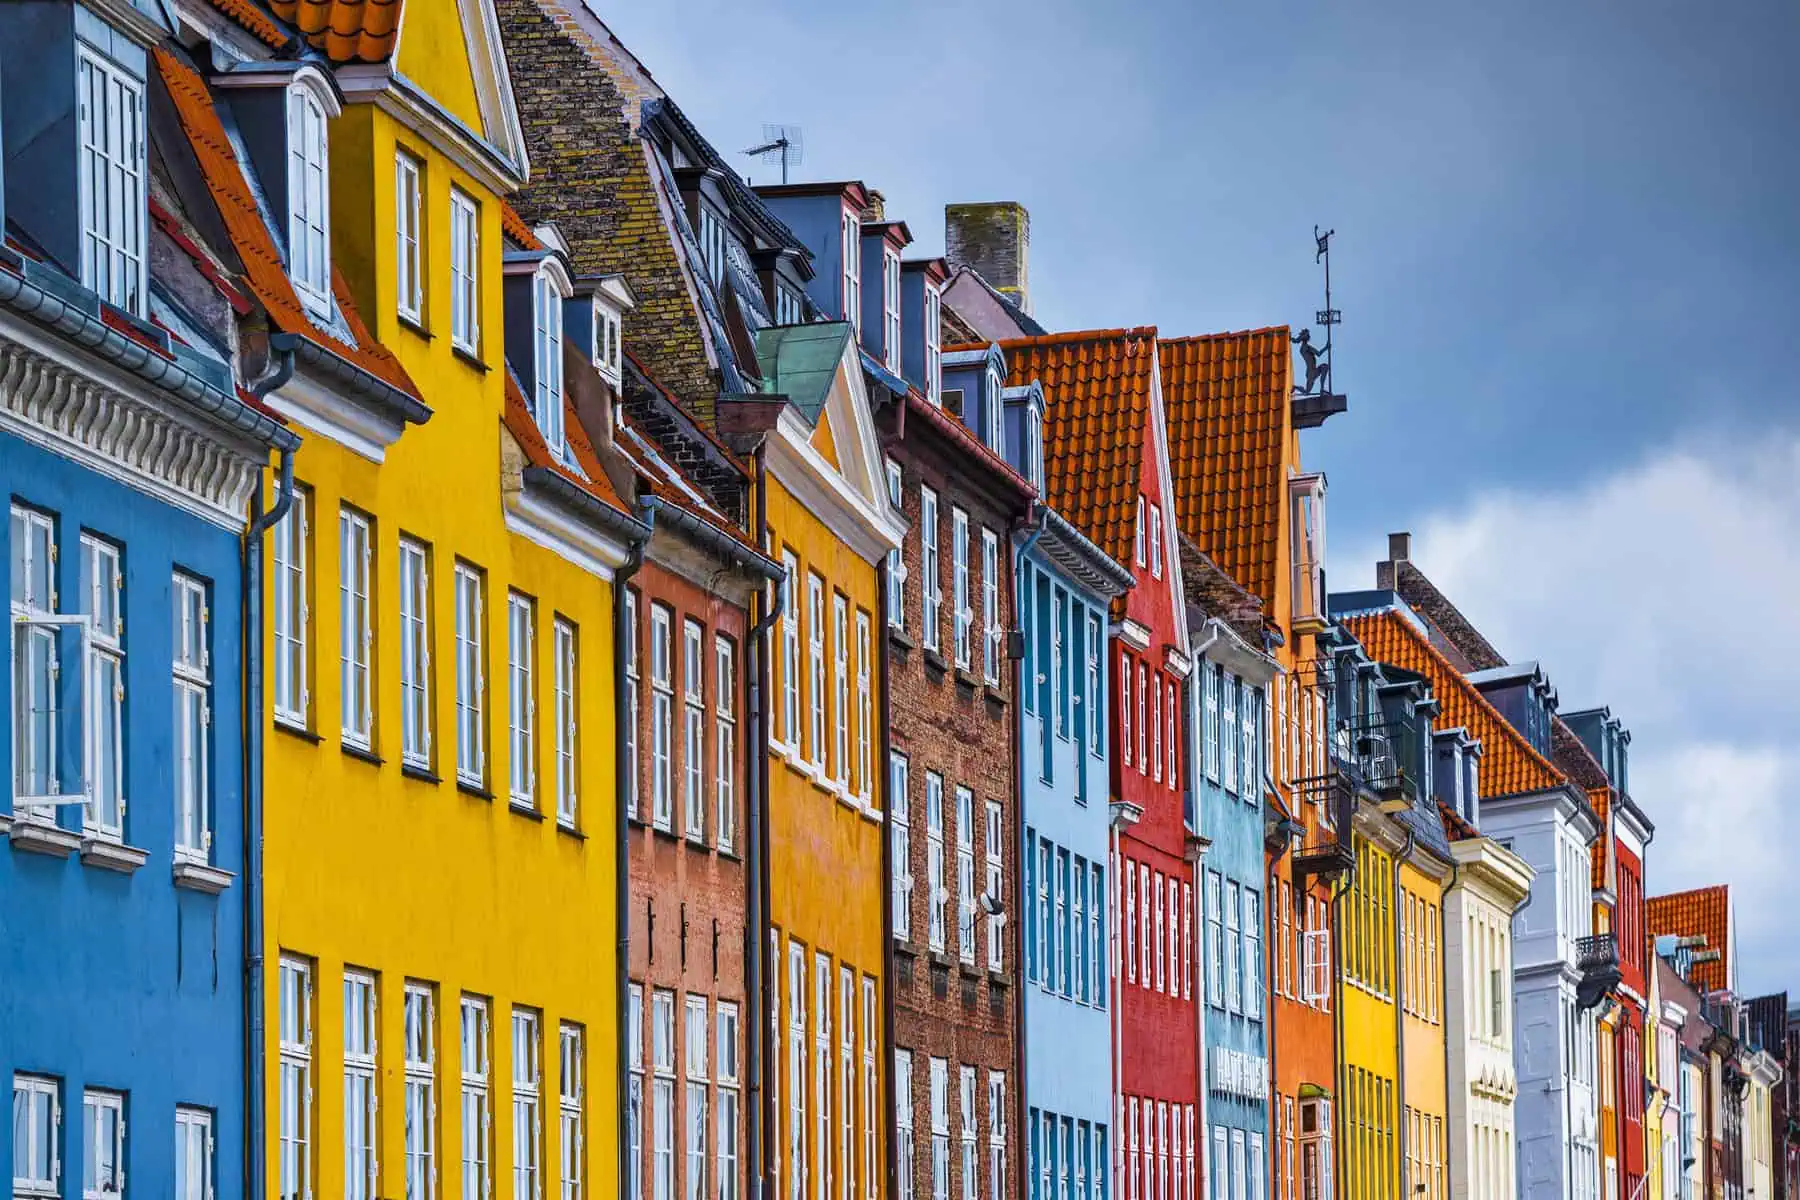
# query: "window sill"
[[413, 324], [905, 946], [870, 813], [297, 731], [968, 970], [528, 811], [935, 662], [422, 774], [36, 836], [728, 854], [967, 679], [999, 979], [993, 694], [665, 834], [900, 641], [570, 831], [109, 855], [476, 790], [696, 844], [352, 750], [470, 358], [199, 877]]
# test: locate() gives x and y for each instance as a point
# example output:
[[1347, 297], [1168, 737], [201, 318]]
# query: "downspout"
[[624, 765], [883, 712], [1400, 999], [250, 620], [761, 989], [1035, 513]]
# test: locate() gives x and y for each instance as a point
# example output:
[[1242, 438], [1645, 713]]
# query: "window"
[[787, 306], [1078, 906], [815, 675], [726, 1067], [522, 695], [36, 666], [899, 818], [294, 1090], [471, 678], [995, 432], [933, 345], [547, 386], [991, 633], [662, 1095], [1125, 740], [847, 1080], [940, 1129], [696, 1039], [1143, 729], [1306, 498], [292, 605], [903, 1123], [527, 1108], [790, 654], [103, 583], [102, 1144], [934, 859], [1097, 935], [822, 1184], [409, 286], [415, 655], [890, 310], [420, 1050], [634, 1094], [608, 352], [1215, 939], [1252, 954], [1156, 541], [995, 888], [797, 1084], [110, 108], [865, 712], [570, 1128], [193, 1154], [725, 741], [1156, 729], [896, 563], [693, 730], [1228, 731], [1131, 959], [567, 729], [662, 717], [1141, 533], [840, 690], [36, 1125], [1059, 661], [356, 632], [959, 589], [965, 1094], [465, 268], [931, 585], [477, 1108], [996, 1099], [1096, 714], [360, 1167], [712, 245], [850, 250], [309, 199], [965, 875]]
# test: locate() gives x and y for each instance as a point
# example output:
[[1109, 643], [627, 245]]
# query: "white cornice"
[[313, 405], [545, 524], [820, 489], [404, 101], [1134, 634], [1503, 876], [93, 415]]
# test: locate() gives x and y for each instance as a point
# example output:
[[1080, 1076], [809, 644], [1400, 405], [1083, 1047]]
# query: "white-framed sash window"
[[309, 199], [936, 893], [991, 632], [294, 1089], [476, 1042], [293, 602], [36, 1137], [696, 1043], [471, 677], [961, 613], [356, 629], [568, 727], [465, 272], [102, 1145], [996, 888], [103, 579], [725, 1067], [725, 745], [114, 211], [521, 635], [419, 1030], [547, 386], [193, 719], [527, 1105], [194, 1154], [415, 654], [409, 279], [896, 559], [840, 690], [693, 730], [931, 586], [815, 672], [361, 1160], [571, 1125], [865, 711], [662, 717], [965, 875]]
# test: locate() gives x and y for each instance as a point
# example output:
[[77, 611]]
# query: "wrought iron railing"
[[1596, 952]]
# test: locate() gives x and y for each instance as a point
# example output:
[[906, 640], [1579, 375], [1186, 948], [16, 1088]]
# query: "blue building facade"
[[130, 457]]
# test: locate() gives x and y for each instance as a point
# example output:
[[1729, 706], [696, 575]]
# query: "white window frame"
[[362, 1170], [409, 278], [476, 1063], [869, 1115], [865, 711], [103, 580], [991, 633], [995, 886], [419, 1098], [571, 1122], [725, 742], [662, 717], [936, 893], [114, 216], [471, 676], [566, 651], [1306, 500], [934, 353], [40, 1099], [102, 1144], [961, 614], [940, 1128], [693, 730], [890, 308], [293, 613], [696, 1041], [996, 1090], [634, 1095], [37, 788], [996, 426], [840, 691], [521, 719], [726, 1057], [1156, 541], [309, 196], [907, 1150], [527, 1104], [1253, 953], [192, 673], [415, 654], [797, 1084], [822, 1077], [194, 1153], [790, 654], [896, 559], [965, 1095], [546, 348], [815, 671], [930, 586], [965, 875], [465, 272], [900, 832], [356, 628], [847, 1082], [294, 1170], [851, 248]]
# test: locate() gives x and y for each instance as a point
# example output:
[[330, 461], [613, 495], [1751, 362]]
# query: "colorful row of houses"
[[542, 669]]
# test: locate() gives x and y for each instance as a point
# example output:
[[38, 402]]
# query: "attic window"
[[309, 194], [1306, 527], [995, 426], [111, 108], [546, 342], [1034, 448], [852, 270], [890, 310], [712, 244], [607, 350], [934, 354], [787, 306]]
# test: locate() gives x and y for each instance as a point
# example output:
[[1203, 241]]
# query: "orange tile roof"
[[1509, 763], [1227, 397], [265, 273], [1703, 912], [345, 30], [519, 422], [1456, 826], [514, 227], [1601, 799], [1097, 396], [253, 20]]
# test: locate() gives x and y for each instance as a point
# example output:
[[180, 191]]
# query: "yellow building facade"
[[440, 858], [1425, 1100]]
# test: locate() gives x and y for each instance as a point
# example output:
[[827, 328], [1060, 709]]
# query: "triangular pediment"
[[451, 50]]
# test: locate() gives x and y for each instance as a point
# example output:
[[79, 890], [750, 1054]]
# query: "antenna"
[[783, 141]]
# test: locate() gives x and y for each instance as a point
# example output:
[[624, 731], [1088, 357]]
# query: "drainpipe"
[[1033, 527], [624, 764], [1400, 999], [250, 619], [1444, 999], [890, 1103], [764, 1127]]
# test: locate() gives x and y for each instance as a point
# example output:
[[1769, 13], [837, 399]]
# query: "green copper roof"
[[800, 362]]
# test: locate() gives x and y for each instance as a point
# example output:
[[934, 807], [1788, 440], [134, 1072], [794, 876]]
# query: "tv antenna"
[[781, 141]]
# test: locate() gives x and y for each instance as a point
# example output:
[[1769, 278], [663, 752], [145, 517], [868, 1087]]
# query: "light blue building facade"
[[130, 458]]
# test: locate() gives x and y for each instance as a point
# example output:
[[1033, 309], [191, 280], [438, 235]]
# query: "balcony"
[[1597, 959], [1327, 852], [1383, 758]]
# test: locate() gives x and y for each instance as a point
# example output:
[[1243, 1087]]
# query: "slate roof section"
[[346, 31], [1702, 912], [1227, 398], [1097, 397], [1509, 763], [265, 269]]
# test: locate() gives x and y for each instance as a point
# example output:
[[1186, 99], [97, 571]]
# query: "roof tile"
[[1601, 799], [1702, 912], [253, 20], [346, 31]]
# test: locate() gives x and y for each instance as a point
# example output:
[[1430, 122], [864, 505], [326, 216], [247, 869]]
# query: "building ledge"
[[34, 835], [200, 877], [1311, 410], [112, 856]]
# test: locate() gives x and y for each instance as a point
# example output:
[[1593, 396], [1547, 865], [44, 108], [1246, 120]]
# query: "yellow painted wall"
[[417, 878], [826, 884], [1369, 1071], [433, 53], [1424, 1025]]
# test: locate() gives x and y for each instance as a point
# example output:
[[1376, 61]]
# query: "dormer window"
[[309, 194], [1034, 449], [113, 208], [852, 241], [996, 427], [546, 342], [890, 309], [1306, 530], [712, 245], [607, 351], [934, 352], [787, 306], [1156, 542]]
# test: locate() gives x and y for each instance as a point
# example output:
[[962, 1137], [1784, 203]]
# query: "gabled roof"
[[1097, 396], [1702, 912], [346, 31], [265, 270], [1509, 763], [1226, 397]]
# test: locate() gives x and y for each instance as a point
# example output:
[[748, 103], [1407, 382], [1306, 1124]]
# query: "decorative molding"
[[130, 435], [409, 104], [870, 531], [1135, 635], [536, 520], [313, 405]]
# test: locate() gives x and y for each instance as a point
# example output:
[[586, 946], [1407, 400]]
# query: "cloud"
[[1663, 590]]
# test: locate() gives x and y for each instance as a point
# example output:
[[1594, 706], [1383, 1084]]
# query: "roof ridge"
[[1077, 335], [1230, 333]]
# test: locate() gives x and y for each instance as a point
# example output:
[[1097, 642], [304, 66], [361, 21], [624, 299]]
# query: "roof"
[[801, 361], [1097, 396], [1702, 912], [1227, 399], [1456, 827], [590, 478], [346, 31], [1509, 763], [265, 270], [1601, 799], [254, 21], [514, 227]]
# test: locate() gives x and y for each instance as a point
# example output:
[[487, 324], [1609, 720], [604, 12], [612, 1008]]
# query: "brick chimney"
[[876, 209], [995, 240], [1399, 551]]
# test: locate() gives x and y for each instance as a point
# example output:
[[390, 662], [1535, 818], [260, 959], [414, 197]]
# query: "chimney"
[[1399, 551], [995, 240], [876, 209]]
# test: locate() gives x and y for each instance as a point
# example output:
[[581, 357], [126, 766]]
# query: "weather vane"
[[1318, 358]]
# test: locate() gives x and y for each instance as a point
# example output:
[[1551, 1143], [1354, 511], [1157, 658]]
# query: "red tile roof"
[[346, 31], [1509, 763], [519, 422], [1703, 912], [1227, 397], [265, 273], [1456, 827], [514, 227], [1601, 799], [1097, 397], [253, 20]]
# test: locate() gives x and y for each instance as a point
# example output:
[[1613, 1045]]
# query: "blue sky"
[[1568, 258]]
